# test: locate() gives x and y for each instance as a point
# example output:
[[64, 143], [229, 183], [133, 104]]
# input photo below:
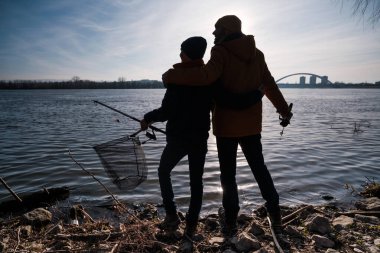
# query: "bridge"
[[309, 74]]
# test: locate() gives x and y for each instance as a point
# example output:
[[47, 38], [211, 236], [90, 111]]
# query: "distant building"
[[302, 80], [313, 80], [324, 80]]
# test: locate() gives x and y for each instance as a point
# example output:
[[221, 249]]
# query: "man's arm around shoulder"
[[197, 76]]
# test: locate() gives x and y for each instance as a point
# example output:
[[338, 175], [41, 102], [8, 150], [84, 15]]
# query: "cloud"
[[102, 40]]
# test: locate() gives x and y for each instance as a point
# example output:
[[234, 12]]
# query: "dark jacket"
[[241, 67], [186, 110]]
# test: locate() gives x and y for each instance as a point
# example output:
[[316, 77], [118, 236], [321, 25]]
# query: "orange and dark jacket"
[[238, 67]]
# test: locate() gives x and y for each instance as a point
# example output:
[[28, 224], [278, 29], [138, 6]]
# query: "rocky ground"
[[134, 229]]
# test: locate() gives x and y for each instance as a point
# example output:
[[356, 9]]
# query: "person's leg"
[[252, 149], [171, 155], [227, 150], [197, 156]]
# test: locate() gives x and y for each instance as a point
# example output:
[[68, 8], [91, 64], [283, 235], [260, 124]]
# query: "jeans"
[[172, 154], [252, 149]]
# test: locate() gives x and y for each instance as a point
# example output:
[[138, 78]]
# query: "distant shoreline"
[[331, 86], [152, 84]]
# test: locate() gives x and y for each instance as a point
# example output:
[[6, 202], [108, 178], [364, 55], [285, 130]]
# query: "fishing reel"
[[150, 136], [286, 121]]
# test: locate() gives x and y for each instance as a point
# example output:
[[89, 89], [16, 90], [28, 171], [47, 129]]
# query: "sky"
[[104, 40]]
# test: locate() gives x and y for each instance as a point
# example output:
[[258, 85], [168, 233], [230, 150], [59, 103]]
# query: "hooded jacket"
[[238, 67], [186, 110]]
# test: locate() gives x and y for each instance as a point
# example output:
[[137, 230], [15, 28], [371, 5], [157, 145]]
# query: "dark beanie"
[[194, 47], [229, 22]]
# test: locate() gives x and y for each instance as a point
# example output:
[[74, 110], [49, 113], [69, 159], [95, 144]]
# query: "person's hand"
[[143, 124], [285, 118]]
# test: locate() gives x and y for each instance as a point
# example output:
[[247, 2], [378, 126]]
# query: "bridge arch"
[[296, 74]]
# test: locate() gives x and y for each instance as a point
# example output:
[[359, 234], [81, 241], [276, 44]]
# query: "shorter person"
[[187, 112]]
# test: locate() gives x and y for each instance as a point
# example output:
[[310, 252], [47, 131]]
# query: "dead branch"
[[10, 190], [18, 239], [367, 213], [294, 214], [90, 237], [107, 190]]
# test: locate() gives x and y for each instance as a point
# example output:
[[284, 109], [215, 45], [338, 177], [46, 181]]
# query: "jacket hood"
[[189, 64], [244, 48]]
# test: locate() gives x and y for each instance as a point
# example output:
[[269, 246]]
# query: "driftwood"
[[43, 198], [367, 213], [97, 180], [119, 204], [90, 237], [10, 190], [294, 214]]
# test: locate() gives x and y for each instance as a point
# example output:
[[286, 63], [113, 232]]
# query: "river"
[[333, 140]]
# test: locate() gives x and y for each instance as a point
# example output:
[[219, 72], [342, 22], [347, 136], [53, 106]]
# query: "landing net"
[[124, 161]]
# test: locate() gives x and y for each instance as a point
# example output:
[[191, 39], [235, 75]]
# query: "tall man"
[[240, 70]]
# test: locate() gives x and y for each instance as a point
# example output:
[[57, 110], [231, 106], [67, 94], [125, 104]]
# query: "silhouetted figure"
[[240, 70]]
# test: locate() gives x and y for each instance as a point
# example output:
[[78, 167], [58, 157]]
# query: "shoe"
[[228, 227], [276, 222], [186, 245], [171, 222]]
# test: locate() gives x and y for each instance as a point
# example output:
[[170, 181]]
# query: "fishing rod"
[[129, 116]]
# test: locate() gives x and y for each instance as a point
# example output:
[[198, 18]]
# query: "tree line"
[[80, 84]]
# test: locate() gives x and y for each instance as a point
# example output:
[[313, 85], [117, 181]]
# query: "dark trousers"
[[252, 149], [172, 154]]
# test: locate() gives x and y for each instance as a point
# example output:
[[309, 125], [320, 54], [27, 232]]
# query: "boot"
[[171, 222], [228, 226], [186, 245]]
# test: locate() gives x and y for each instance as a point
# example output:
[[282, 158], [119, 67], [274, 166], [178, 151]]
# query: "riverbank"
[[133, 228]]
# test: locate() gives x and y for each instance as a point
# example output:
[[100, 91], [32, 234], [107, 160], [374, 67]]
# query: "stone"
[[25, 231], [331, 251], [229, 251], [291, 230], [36, 247], [37, 217], [367, 219], [374, 249], [256, 229], [322, 241], [216, 240], [262, 250], [244, 218], [319, 224], [358, 250], [377, 242], [3, 246], [245, 242], [369, 204], [342, 222], [211, 224], [367, 238]]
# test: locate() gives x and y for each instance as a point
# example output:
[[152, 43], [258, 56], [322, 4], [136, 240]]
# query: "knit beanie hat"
[[194, 47], [229, 22]]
